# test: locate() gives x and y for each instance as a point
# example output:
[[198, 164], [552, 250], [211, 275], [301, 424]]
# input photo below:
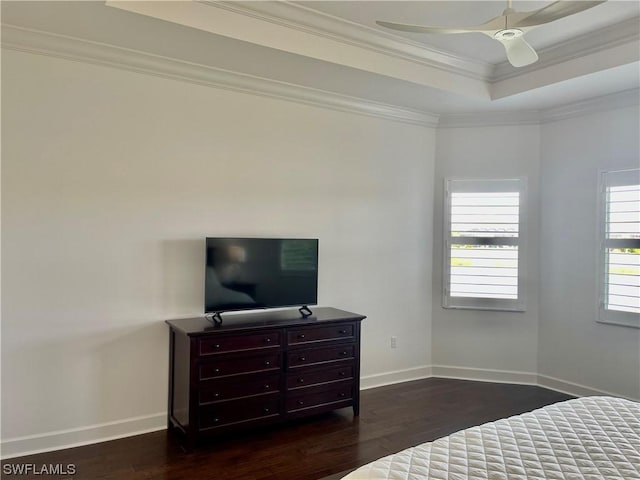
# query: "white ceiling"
[[336, 47]]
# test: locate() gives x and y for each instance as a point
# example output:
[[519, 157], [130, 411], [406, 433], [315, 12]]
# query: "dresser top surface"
[[233, 322]]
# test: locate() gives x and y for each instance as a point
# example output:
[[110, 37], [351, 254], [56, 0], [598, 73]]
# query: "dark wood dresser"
[[261, 368]]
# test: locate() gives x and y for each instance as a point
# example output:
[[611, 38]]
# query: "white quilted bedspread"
[[591, 438]]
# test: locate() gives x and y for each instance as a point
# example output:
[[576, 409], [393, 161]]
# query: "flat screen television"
[[255, 273]]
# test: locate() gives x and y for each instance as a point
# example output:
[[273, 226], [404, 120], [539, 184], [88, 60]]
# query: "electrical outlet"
[[394, 342]]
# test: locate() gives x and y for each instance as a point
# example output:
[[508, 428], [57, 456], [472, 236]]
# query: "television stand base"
[[305, 311], [216, 319]]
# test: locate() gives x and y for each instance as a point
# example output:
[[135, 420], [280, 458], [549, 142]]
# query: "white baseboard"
[[576, 389], [32, 444], [397, 376], [77, 437], [484, 375], [521, 378]]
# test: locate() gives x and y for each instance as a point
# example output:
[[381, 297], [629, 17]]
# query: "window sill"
[[620, 323], [519, 309]]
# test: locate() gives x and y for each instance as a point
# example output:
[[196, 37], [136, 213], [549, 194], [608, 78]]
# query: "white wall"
[[573, 347], [112, 179], [475, 339]]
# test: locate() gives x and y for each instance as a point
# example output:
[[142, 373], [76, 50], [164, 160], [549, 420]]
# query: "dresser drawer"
[[311, 356], [225, 413], [226, 366], [224, 389], [304, 335], [234, 343], [306, 377], [319, 395]]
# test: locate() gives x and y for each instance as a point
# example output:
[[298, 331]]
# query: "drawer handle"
[[302, 359], [342, 332], [217, 345], [343, 353], [343, 374], [266, 387], [342, 395], [301, 335], [216, 395], [300, 402], [301, 380], [267, 363], [216, 370], [267, 410], [216, 420], [267, 340]]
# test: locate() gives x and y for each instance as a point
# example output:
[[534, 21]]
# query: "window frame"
[[609, 178], [485, 185]]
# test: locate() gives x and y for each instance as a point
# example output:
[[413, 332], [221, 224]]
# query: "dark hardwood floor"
[[391, 418]]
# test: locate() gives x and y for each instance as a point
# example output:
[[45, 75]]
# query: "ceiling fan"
[[509, 27]]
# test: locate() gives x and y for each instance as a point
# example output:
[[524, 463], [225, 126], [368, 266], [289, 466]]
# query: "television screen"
[[248, 273]]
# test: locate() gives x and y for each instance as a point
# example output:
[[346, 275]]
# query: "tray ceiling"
[[336, 48]]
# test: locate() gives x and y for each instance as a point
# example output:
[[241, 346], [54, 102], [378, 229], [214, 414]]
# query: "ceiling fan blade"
[[519, 52], [496, 23], [403, 27], [554, 11]]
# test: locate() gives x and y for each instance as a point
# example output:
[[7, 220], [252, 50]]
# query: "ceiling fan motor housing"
[[508, 34]]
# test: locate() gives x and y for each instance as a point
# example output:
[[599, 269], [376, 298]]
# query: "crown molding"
[[71, 48], [613, 101], [603, 39], [490, 119], [624, 99], [233, 21], [308, 20], [75, 49]]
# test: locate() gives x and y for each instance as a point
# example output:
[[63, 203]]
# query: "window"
[[483, 244], [619, 261]]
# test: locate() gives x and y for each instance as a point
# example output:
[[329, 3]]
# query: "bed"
[[590, 438]]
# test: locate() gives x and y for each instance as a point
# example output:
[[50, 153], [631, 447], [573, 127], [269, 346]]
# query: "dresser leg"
[[356, 409], [190, 443]]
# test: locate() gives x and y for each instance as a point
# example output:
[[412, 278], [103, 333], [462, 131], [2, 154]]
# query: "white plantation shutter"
[[620, 247], [483, 244]]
